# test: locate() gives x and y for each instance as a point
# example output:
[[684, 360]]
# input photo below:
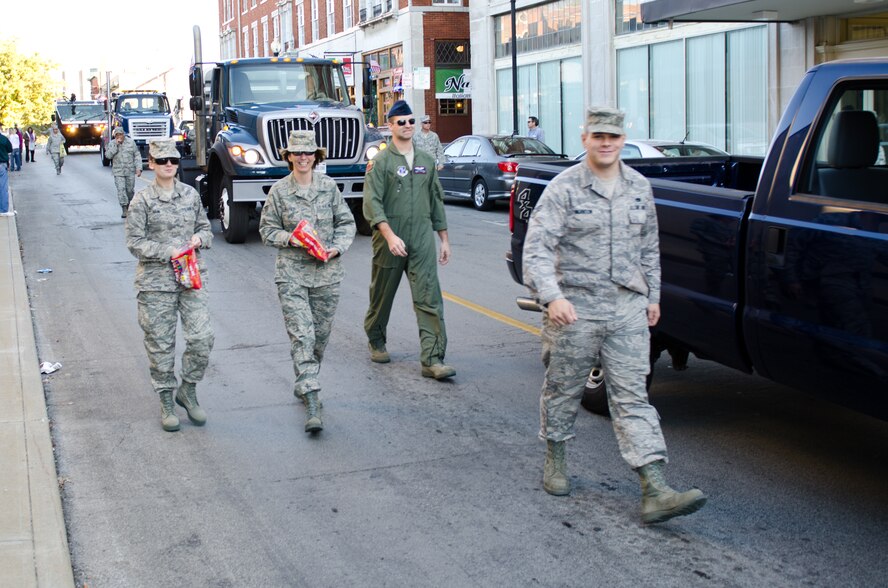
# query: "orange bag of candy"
[[306, 235], [186, 268]]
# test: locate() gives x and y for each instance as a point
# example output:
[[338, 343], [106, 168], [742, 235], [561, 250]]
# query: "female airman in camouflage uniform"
[[163, 219], [54, 147], [126, 164], [308, 288]]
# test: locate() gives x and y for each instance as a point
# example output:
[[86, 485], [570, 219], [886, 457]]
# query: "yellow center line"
[[491, 313]]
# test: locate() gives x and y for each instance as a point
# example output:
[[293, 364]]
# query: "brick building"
[[396, 39]]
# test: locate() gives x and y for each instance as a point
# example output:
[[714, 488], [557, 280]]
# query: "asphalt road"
[[412, 482]]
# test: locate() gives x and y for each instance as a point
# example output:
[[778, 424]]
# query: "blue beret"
[[399, 108]]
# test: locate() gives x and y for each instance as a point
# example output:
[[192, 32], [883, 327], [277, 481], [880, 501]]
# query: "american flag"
[[374, 66]]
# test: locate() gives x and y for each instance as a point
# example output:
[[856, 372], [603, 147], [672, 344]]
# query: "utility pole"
[[514, 73]]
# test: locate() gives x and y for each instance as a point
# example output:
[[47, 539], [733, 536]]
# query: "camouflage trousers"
[[620, 346], [58, 161], [126, 186], [159, 314], [308, 317]]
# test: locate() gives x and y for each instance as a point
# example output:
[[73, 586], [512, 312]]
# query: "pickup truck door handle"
[[776, 240]]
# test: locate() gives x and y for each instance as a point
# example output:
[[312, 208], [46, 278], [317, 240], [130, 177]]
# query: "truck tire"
[[361, 225], [595, 394], [105, 161], [481, 195], [233, 216]]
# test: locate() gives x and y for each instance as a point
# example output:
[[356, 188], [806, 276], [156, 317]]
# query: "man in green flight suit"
[[404, 203]]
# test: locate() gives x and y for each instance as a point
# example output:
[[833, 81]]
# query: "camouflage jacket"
[[322, 205], [157, 225], [584, 247], [430, 143], [54, 142], [125, 158]]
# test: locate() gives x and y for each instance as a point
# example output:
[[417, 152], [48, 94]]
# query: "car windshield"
[[80, 111], [513, 145], [144, 105], [268, 83]]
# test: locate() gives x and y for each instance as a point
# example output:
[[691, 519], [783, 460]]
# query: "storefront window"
[[539, 27]]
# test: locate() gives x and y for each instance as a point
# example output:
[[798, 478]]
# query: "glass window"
[[632, 90], [667, 91], [346, 13], [848, 159], [451, 106], [706, 90], [539, 27], [315, 22], [473, 148], [504, 101], [630, 152], [397, 57], [628, 17], [455, 148], [550, 107], [747, 95], [384, 61], [573, 113]]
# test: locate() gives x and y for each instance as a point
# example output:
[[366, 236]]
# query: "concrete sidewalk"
[[33, 543]]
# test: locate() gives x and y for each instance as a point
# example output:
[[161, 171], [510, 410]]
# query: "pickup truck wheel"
[[361, 225], [480, 195], [105, 161], [595, 395], [233, 216]]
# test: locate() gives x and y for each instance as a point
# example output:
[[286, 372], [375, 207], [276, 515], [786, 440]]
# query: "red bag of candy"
[[186, 269], [306, 235]]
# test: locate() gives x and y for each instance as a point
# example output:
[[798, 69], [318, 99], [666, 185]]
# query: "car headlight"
[[178, 138]]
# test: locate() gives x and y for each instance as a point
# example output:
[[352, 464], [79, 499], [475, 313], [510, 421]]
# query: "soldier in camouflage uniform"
[[427, 140], [54, 148], [592, 258], [126, 164], [404, 203], [165, 218], [308, 288]]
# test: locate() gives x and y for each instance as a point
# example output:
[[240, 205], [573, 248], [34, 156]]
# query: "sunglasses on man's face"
[[166, 160], [406, 121]]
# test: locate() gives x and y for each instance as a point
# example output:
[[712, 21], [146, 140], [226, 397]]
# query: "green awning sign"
[[452, 83]]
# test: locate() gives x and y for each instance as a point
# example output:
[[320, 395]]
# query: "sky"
[[112, 34]]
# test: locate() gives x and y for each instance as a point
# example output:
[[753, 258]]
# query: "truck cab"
[[144, 115], [245, 110], [82, 122]]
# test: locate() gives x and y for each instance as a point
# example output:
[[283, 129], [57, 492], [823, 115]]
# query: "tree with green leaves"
[[27, 90]]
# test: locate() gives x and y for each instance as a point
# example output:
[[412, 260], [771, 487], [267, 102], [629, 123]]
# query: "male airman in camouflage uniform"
[[592, 258], [126, 164], [165, 218], [427, 140], [308, 288]]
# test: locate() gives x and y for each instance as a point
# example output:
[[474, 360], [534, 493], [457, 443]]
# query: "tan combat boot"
[[438, 370], [555, 480], [313, 422], [168, 419], [659, 502], [379, 354], [186, 397]]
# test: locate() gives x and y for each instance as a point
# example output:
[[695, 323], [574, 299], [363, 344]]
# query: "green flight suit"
[[411, 201]]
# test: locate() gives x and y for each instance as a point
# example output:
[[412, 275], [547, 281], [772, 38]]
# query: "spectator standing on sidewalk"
[[32, 143], [308, 288], [15, 163], [126, 165], [5, 152], [534, 131], [428, 140], [164, 219], [55, 145]]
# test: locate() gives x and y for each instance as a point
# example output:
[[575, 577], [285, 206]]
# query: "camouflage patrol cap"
[[601, 119], [163, 148], [302, 141], [117, 131]]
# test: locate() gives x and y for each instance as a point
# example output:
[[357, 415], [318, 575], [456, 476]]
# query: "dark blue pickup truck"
[[776, 266]]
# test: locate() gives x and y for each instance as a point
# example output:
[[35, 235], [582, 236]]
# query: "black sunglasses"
[[306, 153], [166, 160], [405, 121]]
